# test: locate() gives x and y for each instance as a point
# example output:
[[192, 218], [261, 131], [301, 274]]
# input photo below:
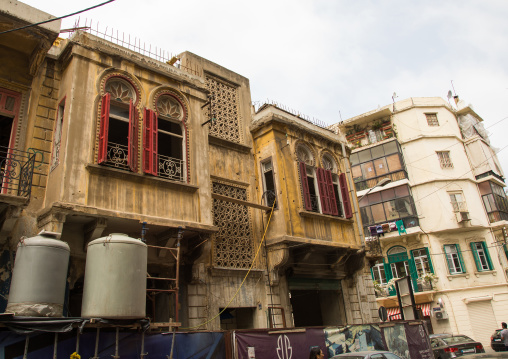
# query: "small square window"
[[432, 119], [444, 159]]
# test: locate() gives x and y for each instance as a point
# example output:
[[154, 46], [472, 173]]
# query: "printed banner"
[[418, 342], [353, 338], [281, 345]]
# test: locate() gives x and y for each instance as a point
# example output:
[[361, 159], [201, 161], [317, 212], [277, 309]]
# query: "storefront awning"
[[394, 313]]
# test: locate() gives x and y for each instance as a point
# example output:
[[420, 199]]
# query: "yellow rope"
[[246, 275]]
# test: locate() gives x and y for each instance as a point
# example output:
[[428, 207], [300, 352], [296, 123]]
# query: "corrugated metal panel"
[[483, 321]]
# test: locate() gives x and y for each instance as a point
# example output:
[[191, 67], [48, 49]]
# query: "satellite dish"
[[450, 94]]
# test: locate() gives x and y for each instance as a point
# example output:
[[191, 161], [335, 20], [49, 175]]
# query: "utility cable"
[[56, 18], [246, 275]]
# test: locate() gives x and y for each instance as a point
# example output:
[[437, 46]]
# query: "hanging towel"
[[400, 226], [386, 227], [373, 231], [379, 229], [393, 226]]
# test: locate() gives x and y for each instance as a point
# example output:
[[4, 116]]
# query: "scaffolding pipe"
[[55, 345], [116, 356], [143, 354], [25, 353], [96, 344]]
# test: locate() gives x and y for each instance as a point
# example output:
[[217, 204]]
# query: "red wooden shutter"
[[104, 126], [323, 191], [331, 193], [132, 157], [147, 148], [345, 195], [305, 186], [155, 143]]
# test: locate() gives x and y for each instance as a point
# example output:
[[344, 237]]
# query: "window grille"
[[432, 119], [444, 159]]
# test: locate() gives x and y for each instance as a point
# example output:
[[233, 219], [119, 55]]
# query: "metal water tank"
[[115, 278], [39, 276]]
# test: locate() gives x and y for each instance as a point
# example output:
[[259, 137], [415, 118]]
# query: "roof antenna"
[[394, 96], [455, 97]]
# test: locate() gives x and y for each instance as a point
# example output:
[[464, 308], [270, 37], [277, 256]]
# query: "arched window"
[[164, 139], [118, 135]]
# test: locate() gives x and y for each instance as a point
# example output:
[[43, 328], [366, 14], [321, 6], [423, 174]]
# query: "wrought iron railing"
[[16, 171], [172, 168], [117, 156]]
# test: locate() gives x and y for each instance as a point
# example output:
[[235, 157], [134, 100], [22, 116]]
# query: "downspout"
[[354, 200]]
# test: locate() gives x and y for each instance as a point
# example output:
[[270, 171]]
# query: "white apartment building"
[[441, 217]]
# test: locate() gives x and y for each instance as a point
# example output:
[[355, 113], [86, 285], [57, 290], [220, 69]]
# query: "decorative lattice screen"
[[224, 109], [233, 241]]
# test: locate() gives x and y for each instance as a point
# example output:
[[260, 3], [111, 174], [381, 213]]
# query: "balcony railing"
[[117, 156], [16, 172], [172, 168], [362, 184]]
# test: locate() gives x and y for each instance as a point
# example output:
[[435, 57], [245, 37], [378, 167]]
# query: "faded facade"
[[128, 144], [441, 217]]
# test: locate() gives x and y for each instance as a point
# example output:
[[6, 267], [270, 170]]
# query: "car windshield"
[[457, 339]]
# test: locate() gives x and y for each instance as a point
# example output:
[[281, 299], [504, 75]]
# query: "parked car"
[[487, 356], [495, 341], [368, 355], [447, 346]]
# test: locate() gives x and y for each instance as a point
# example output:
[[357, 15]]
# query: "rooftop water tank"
[[115, 278], [39, 277]]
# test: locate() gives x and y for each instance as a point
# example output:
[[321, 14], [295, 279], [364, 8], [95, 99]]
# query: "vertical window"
[[9, 112], [432, 119], [422, 261], [481, 256], [164, 139], [458, 203], [269, 193], [454, 259], [57, 138], [378, 272], [444, 159], [118, 135]]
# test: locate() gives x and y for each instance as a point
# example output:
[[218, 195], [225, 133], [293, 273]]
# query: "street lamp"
[[381, 183]]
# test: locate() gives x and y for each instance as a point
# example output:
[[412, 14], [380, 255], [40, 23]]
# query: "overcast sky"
[[332, 59]]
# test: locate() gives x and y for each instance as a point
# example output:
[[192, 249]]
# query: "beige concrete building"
[[170, 151], [441, 217]]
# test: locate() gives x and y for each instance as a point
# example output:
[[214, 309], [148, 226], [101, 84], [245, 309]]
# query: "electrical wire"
[[56, 18], [246, 275]]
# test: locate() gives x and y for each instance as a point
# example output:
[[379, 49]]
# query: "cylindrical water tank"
[[39, 277], [115, 278]]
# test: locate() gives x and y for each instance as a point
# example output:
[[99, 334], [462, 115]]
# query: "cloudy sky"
[[332, 59]]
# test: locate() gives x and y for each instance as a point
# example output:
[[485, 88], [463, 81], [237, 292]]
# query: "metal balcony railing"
[[171, 168], [16, 171], [117, 156]]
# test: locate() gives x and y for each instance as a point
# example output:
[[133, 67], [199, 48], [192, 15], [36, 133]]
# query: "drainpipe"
[[354, 200]]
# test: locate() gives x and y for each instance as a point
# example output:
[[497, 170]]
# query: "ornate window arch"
[[165, 137], [119, 123]]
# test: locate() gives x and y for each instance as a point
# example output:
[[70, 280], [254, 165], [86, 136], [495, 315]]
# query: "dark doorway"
[[306, 308], [5, 130], [237, 318]]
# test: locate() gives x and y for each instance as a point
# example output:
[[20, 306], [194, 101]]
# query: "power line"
[[56, 18]]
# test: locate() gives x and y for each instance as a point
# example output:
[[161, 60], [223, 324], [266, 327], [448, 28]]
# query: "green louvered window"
[[481, 256], [454, 259]]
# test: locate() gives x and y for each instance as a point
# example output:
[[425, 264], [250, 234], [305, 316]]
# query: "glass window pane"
[[393, 162], [388, 194], [357, 172], [368, 170], [391, 210], [366, 214], [354, 159], [401, 191], [378, 213], [380, 166], [484, 187], [390, 147], [377, 151], [364, 156], [374, 197], [404, 207]]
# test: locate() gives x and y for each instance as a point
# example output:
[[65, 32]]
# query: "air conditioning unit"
[[439, 313], [462, 216]]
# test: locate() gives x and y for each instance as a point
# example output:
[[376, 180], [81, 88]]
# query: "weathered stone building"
[[174, 154]]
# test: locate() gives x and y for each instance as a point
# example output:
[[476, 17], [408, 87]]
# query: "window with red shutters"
[[323, 191], [119, 124], [150, 142], [345, 195], [334, 211]]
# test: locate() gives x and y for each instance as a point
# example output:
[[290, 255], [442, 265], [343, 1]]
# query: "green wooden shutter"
[[388, 271], [476, 256], [487, 254], [413, 273], [505, 250], [447, 260], [429, 259], [459, 253]]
